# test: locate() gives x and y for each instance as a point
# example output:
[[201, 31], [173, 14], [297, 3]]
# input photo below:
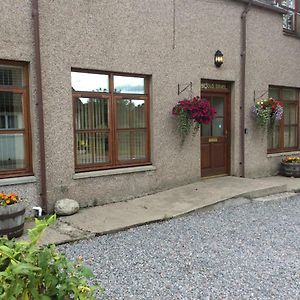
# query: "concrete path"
[[109, 218]]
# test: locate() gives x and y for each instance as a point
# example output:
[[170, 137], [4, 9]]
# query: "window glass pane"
[[131, 113], [205, 130], [290, 114], [91, 113], [101, 147], [131, 145], [140, 145], [288, 20], [289, 94], [129, 85], [273, 138], [11, 111], [12, 151], [288, 3], [100, 113], [274, 93], [124, 145], [218, 104], [11, 75], [290, 138], [92, 147], [218, 127], [89, 82]]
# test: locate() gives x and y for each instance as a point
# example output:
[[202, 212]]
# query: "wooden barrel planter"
[[12, 220], [290, 169]]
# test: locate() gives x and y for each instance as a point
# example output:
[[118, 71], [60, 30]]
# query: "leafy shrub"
[[29, 271]]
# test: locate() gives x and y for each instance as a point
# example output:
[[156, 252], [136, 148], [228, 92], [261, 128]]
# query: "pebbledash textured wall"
[[273, 59], [17, 44], [137, 36]]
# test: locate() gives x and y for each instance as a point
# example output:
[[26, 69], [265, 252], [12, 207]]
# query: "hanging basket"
[[12, 220]]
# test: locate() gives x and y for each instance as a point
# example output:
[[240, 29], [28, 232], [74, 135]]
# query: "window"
[[291, 20], [111, 120], [14, 120], [284, 137]]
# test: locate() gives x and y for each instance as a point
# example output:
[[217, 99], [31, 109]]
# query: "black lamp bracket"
[[262, 93], [188, 86]]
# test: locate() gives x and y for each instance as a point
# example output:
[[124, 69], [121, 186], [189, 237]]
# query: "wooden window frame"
[[24, 91], [281, 147], [112, 97], [295, 11]]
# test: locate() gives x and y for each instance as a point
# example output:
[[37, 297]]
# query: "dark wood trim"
[[93, 71], [13, 62], [227, 129], [112, 129], [281, 147], [26, 131]]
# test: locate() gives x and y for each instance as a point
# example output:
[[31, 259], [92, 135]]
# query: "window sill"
[[17, 180], [113, 172], [291, 34], [270, 155]]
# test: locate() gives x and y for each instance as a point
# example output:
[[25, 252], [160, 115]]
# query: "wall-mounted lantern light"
[[219, 59]]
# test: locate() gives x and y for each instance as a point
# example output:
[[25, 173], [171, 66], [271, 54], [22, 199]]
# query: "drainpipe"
[[243, 85], [39, 94]]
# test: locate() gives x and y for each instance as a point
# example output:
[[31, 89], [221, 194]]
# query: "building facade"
[[87, 89]]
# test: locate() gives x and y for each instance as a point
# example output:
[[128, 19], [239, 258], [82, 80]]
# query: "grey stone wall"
[[137, 36]]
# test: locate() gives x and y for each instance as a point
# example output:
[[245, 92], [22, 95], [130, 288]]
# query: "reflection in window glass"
[[91, 113], [284, 135], [274, 93], [205, 130], [92, 147], [131, 145], [289, 94], [89, 82], [131, 113], [218, 104], [273, 138], [12, 154], [218, 127], [11, 111], [11, 75], [290, 138], [129, 85]]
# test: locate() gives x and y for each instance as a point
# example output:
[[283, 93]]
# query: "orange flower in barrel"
[[8, 199]]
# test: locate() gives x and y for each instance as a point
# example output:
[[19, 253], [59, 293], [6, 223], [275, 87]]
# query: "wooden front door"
[[215, 137]]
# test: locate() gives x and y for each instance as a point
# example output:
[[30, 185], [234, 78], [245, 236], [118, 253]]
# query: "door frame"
[[227, 112]]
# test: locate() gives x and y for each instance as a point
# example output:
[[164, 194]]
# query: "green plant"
[[8, 199], [29, 271], [267, 112], [192, 113]]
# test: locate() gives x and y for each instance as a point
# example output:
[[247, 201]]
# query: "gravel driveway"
[[249, 251]]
